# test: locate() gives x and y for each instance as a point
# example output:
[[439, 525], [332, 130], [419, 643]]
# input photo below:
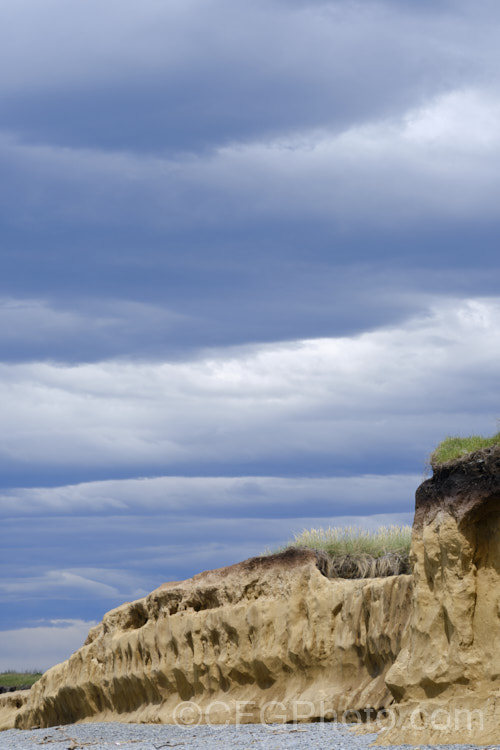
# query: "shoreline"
[[104, 736]]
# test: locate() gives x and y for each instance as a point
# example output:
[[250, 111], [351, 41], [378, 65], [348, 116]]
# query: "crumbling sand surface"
[[268, 629], [251, 642], [449, 664], [10, 704]]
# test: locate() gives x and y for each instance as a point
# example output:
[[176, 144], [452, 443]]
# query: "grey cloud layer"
[[208, 173], [216, 497], [434, 161], [336, 88], [193, 74], [341, 402]]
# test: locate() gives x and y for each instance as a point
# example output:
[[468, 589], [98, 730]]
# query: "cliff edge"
[[446, 679]]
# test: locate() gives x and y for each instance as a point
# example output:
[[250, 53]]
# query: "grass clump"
[[336, 541], [356, 553], [19, 679], [452, 448]]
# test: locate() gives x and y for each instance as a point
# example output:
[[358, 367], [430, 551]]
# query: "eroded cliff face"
[[274, 638], [233, 641], [446, 680], [10, 705]]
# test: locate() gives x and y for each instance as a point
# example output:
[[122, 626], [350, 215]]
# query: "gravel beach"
[[159, 737]]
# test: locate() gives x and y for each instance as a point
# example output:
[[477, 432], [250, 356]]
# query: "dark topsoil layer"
[[468, 488]]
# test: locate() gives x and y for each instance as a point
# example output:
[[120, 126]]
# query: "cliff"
[[447, 675], [233, 641], [275, 638]]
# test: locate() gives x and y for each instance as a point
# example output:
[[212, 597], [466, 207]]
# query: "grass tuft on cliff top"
[[356, 553], [452, 448], [352, 540]]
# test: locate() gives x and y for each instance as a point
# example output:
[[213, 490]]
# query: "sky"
[[249, 280]]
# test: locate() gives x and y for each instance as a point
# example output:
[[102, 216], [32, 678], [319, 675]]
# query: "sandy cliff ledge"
[[267, 629]]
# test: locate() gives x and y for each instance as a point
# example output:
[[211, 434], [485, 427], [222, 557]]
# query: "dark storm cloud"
[[183, 78], [165, 165], [110, 266], [188, 309]]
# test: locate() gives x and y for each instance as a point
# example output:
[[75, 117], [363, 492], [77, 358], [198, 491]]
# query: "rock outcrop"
[[274, 638], [268, 638], [446, 679], [10, 705]]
